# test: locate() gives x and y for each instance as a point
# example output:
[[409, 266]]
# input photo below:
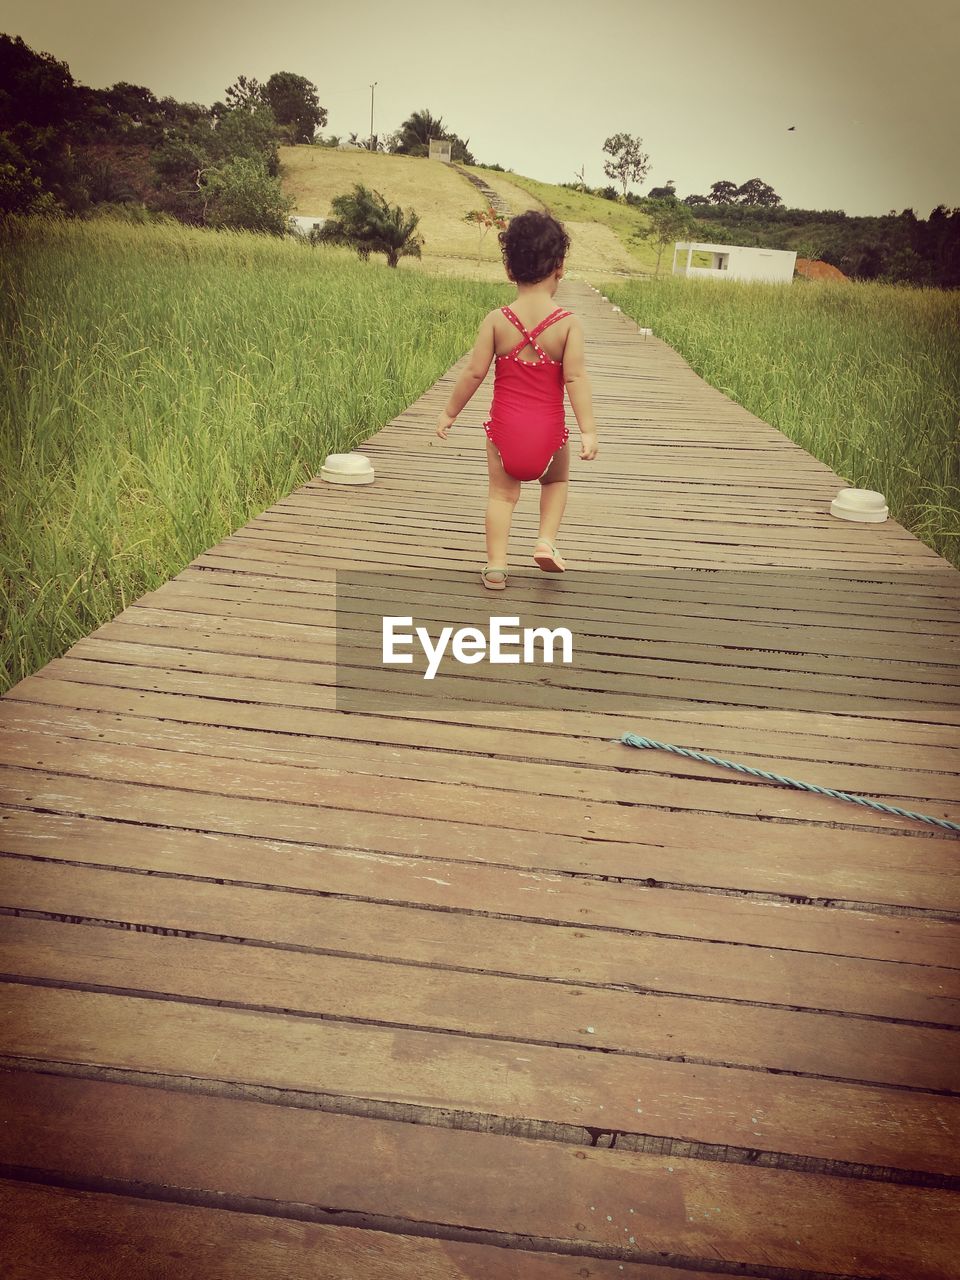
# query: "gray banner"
[[612, 643]]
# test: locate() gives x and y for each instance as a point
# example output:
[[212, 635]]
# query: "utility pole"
[[372, 87]]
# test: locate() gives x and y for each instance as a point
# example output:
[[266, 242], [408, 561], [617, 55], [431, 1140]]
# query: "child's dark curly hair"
[[533, 245]]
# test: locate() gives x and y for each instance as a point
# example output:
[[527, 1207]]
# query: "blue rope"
[[634, 740]]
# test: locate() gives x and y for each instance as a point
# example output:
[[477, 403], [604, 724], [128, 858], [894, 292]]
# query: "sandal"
[[490, 579], [549, 560]]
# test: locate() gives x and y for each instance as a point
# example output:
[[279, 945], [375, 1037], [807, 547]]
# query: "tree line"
[[898, 248], [67, 148]]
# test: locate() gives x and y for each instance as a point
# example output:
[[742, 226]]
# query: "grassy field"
[[866, 377], [164, 385]]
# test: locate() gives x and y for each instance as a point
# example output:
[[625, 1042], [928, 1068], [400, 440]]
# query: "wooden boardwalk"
[[463, 989]]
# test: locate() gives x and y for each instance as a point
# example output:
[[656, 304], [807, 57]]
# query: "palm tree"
[[364, 221], [413, 136]]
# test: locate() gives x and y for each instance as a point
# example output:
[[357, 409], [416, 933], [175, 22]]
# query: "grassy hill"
[[582, 212], [442, 196]]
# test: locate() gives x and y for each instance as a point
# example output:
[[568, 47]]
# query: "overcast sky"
[[710, 87]]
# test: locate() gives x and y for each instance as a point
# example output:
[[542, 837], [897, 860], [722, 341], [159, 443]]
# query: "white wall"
[[303, 223], [742, 263]]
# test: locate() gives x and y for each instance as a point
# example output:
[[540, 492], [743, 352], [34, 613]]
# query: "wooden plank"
[[462, 803], [307, 539], [243, 556], [618, 607], [807, 524], [767, 725], [82, 709], [484, 1006], [598, 771], [388, 505], [705, 599], [464, 936], [798, 529], [793, 1122], [616, 695], [206, 645], [600, 641], [736, 517], [657, 553], [631, 1206], [614, 819], [590, 775], [535, 893], [607, 660], [81, 1235], [927, 589]]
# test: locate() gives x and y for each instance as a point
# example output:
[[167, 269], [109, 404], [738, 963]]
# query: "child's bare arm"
[[475, 372], [579, 389]]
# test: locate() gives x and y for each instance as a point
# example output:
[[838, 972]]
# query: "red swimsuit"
[[526, 421]]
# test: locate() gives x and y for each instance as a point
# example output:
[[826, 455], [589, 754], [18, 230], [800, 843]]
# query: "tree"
[[905, 266], [413, 136], [21, 191], [485, 220], [35, 88], [460, 151], [295, 105], [184, 115], [244, 94], [670, 220], [364, 221], [124, 113], [133, 100], [242, 195], [107, 183], [629, 163], [724, 192], [695, 201], [250, 132], [669, 192], [178, 191], [41, 115], [758, 193]]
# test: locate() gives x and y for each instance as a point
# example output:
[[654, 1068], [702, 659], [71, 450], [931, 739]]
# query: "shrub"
[[242, 195]]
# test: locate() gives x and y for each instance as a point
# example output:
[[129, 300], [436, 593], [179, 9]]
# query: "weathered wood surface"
[[468, 989]]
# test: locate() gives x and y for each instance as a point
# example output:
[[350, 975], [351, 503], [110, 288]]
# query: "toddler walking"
[[526, 436]]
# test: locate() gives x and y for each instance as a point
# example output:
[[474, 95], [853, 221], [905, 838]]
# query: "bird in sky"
[[791, 128]]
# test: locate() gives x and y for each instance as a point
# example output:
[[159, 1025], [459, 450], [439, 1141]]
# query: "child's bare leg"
[[501, 500], [553, 494]]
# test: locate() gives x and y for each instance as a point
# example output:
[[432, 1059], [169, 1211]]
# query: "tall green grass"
[[162, 386], [866, 377]]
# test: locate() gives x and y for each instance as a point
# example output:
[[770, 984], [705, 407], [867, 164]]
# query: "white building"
[[735, 262], [441, 149], [301, 224]]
